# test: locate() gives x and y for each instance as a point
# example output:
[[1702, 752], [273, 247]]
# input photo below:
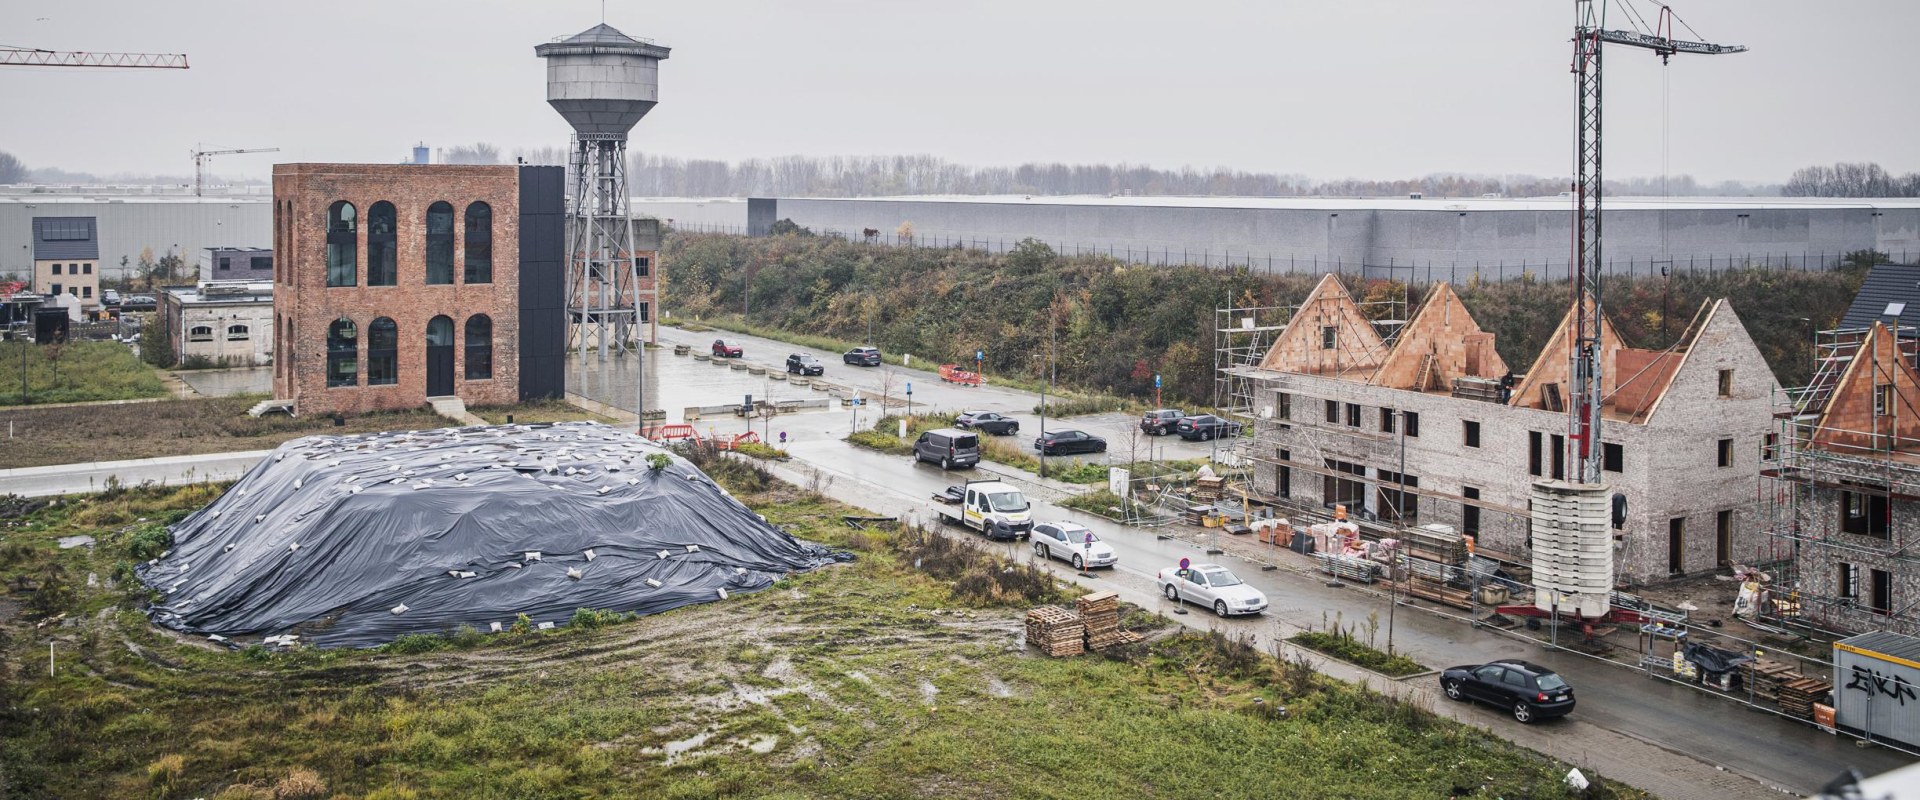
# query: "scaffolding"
[[1828, 494], [1242, 336]]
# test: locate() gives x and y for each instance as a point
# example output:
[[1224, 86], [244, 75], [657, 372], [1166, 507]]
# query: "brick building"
[[397, 283], [66, 259], [1417, 422], [1842, 494]]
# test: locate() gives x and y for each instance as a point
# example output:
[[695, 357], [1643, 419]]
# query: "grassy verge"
[[890, 677], [1342, 645], [1007, 450], [537, 411], [759, 450], [44, 436], [74, 372]]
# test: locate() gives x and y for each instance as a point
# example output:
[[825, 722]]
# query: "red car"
[[726, 348]]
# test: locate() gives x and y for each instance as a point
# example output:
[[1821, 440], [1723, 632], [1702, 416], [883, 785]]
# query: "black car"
[[862, 357], [1529, 691], [1060, 443], [803, 364], [988, 422], [1160, 421], [1203, 427]]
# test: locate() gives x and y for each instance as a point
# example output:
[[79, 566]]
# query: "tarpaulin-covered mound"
[[355, 540]]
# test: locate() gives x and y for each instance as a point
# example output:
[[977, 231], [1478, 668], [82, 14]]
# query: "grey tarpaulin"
[[354, 540]]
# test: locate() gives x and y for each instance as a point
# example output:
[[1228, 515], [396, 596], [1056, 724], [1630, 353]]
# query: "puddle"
[[762, 744], [678, 748], [70, 542]]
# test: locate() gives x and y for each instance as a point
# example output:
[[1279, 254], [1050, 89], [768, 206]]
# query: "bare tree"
[[12, 169], [476, 153]]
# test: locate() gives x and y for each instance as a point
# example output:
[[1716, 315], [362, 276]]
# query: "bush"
[[978, 576], [759, 450], [596, 618], [1340, 644], [412, 643]]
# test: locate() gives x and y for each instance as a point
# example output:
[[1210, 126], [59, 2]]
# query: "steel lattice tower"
[[602, 81]]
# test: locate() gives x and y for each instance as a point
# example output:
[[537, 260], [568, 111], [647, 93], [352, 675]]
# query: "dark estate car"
[[988, 422], [727, 348], [803, 364], [1529, 691], [863, 357], [1060, 443], [1160, 421], [1204, 427]]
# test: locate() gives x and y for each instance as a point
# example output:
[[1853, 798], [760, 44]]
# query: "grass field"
[[74, 372], [43, 436], [896, 676]]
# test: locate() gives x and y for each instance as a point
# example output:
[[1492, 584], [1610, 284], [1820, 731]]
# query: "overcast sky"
[[1363, 89]]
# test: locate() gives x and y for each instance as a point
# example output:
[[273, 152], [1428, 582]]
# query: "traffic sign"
[[1156, 380]]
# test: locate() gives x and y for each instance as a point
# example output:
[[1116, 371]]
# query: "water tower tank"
[[603, 81]]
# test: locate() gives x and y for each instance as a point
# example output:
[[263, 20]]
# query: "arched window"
[[479, 243], [383, 353], [383, 268], [343, 242], [200, 333], [237, 333], [440, 331], [343, 353], [440, 242], [479, 347]]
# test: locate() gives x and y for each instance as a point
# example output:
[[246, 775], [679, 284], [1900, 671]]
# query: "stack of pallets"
[[1101, 611], [1056, 631], [1798, 696], [1208, 488], [1766, 677]]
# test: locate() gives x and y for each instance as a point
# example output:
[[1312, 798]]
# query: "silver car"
[[1072, 543], [1213, 586]]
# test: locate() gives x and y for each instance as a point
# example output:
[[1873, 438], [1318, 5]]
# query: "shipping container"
[[1876, 685]]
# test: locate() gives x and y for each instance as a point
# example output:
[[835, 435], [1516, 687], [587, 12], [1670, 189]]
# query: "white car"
[[1213, 586], [1072, 543]]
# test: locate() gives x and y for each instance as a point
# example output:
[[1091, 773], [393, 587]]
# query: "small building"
[[66, 259], [396, 283], [236, 264], [218, 323], [1419, 421]]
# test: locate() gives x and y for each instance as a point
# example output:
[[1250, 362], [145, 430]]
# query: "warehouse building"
[[1416, 421], [400, 283]]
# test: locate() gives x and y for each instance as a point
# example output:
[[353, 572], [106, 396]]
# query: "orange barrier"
[[671, 433], [952, 373], [730, 444]]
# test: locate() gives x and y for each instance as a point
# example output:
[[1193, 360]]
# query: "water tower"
[[603, 81]]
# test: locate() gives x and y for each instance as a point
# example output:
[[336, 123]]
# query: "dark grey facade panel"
[[55, 238], [762, 212], [543, 322], [1886, 284]]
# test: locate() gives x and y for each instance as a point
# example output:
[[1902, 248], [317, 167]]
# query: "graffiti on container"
[[1876, 684]]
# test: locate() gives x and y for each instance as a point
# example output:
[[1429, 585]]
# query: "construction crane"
[[36, 57], [1583, 437], [200, 162]]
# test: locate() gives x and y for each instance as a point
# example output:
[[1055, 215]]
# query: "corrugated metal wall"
[[128, 225]]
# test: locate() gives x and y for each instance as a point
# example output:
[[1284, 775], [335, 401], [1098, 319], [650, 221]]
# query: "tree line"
[[1851, 179], [1116, 325]]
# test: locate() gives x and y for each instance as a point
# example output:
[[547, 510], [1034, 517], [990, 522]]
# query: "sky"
[[1370, 89]]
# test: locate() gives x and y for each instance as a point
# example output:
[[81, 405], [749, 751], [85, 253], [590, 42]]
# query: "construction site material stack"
[[1056, 631]]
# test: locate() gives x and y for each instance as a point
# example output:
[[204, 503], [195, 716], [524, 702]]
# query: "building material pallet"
[[1056, 631], [1766, 677], [1439, 592], [1101, 613], [1348, 568], [1797, 697]]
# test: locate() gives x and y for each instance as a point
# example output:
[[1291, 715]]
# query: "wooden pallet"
[[1766, 677], [1113, 639], [1100, 612], [1056, 631], [1797, 697]]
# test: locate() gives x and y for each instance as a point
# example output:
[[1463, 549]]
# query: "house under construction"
[[1419, 421], [1842, 485]]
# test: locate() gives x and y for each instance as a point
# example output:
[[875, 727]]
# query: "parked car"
[[988, 422], [109, 297], [862, 357], [1213, 586], [1205, 427], [947, 447], [1527, 690], [803, 364], [1160, 421], [1060, 443], [1073, 543], [727, 348]]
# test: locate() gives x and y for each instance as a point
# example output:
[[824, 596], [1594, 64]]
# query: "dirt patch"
[[70, 435]]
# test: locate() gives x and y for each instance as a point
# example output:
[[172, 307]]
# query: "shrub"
[[300, 784], [411, 643], [978, 575], [148, 543], [595, 618], [658, 461], [759, 450], [1340, 644]]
